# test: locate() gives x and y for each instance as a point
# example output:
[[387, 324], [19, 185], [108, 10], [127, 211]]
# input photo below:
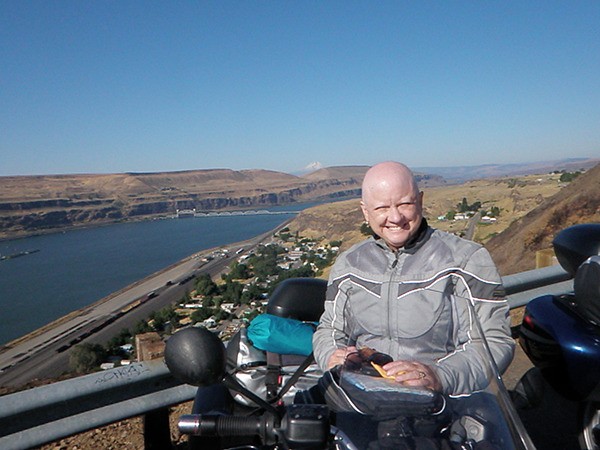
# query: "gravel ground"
[[127, 434]]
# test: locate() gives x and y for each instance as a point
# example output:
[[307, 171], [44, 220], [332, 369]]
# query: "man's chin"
[[396, 242]]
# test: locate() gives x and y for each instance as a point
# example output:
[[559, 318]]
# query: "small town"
[[222, 306]]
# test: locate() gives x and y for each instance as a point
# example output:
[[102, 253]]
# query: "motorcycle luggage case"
[[575, 244]]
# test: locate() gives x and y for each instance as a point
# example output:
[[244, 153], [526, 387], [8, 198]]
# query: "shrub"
[[86, 357]]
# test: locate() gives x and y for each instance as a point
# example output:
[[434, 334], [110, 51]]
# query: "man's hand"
[[413, 373], [339, 356]]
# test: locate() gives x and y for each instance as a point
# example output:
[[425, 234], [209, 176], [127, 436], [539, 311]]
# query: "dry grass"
[[514, 196]]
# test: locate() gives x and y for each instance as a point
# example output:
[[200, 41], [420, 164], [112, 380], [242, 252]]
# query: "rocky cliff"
[[48, 203]]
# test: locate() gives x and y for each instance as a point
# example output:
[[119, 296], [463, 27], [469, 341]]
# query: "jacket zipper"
[[389, 296]]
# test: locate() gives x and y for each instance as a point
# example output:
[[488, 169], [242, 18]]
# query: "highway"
[[37, 355]]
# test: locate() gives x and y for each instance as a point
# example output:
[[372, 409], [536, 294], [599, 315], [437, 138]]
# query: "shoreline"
[[16, 235], [69, 316], [44, 232]]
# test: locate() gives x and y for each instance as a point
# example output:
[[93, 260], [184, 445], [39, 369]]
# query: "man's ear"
[[364, 211]]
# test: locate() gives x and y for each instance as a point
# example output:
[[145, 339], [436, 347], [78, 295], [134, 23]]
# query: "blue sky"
[[132, 86]]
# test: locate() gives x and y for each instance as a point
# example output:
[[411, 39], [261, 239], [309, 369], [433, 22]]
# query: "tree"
[[201, 314], [567, 177], [221, 314], [233, 292], [286, 237], [124, 337], [86, 357], [205, 285], [185, 298], [253, 292], [208, 302], [239, 271], [304, 271], [142, 327], [265, 265], [162, 317]]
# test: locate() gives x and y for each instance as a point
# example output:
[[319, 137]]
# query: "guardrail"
[[47, 413]]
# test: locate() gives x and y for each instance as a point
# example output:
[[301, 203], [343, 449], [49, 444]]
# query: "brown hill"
[[36, 204], [31, 204], [356, 172], [514, 249], [534, 208]]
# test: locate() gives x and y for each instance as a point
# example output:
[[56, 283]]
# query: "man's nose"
[[395, 215]]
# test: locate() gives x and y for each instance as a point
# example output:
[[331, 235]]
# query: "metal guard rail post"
[[47, 413]]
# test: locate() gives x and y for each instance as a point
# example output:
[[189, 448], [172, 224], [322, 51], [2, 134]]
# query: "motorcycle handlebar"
[[219, 425], [301, 426]]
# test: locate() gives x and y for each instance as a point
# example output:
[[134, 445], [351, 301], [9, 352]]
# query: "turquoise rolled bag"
[[281, 335]]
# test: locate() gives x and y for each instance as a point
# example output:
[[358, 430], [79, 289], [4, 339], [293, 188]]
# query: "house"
[[295, 254], [228, 307], [128, 348], [488, 219], [210, 322]]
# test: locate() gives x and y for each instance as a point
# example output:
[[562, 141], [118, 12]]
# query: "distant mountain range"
[[34, 204], [460, 174]]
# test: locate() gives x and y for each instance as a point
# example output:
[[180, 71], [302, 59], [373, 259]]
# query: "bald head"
[[391, 203], [386, 174]]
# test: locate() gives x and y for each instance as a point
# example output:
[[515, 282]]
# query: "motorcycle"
[[231, 412], [560, 334]]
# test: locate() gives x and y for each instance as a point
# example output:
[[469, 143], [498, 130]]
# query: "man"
[[404, 294]]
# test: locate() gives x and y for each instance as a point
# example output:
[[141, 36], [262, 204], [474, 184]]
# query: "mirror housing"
[[196, 356], [298, 298]]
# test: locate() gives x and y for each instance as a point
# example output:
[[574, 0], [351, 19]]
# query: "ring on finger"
[[422, 374]]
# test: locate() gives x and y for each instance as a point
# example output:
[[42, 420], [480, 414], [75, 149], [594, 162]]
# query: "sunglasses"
[[361, 360]]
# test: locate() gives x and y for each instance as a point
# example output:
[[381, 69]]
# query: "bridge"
[[187, 213], [47, 413]]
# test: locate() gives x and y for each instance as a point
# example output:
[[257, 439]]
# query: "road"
[[37, 355], [472, 225]]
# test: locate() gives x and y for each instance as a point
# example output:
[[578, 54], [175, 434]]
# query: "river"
[[69, 270]]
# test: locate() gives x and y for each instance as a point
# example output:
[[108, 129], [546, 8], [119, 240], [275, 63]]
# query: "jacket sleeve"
[[467, 368], [330, 334]]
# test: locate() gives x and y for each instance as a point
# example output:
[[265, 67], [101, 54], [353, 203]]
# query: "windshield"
[[479, 412]]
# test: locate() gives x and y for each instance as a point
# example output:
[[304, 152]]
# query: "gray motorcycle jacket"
[[412, 305]]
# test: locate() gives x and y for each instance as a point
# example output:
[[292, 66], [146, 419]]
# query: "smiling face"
[[392, 203]]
